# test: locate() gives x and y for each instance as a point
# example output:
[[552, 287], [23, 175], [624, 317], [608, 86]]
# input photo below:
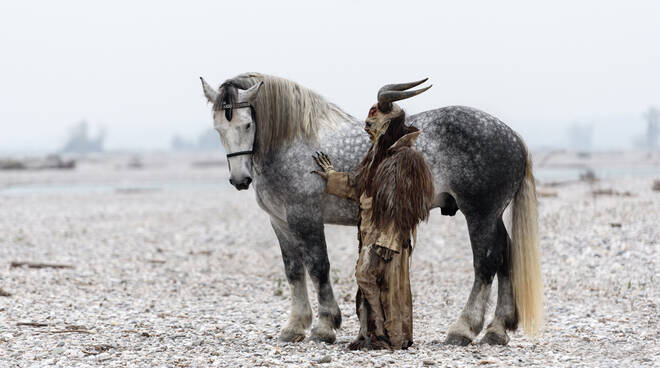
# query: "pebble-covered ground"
[[189, 274]]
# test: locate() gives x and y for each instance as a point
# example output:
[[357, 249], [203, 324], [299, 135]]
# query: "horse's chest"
[[271, 202]]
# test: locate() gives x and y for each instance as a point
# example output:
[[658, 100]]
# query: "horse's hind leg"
[[488, 246], [301, 312], [506, 317]]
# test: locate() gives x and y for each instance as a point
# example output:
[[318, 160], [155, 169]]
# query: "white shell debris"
[[190, 274]]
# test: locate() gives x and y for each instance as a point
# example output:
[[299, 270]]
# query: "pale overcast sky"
[[133, 66]]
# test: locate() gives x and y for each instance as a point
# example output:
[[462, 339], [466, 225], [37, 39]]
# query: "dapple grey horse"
[[270, 127]]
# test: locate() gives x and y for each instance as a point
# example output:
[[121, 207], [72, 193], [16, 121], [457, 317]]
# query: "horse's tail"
[[525, 267]]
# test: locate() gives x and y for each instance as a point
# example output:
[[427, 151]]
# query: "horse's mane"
[[284, 110]]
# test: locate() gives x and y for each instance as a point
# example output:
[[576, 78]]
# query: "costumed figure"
[[394, 187]]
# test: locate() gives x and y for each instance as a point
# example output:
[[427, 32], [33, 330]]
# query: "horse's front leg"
[[300, 317], [306, 223]]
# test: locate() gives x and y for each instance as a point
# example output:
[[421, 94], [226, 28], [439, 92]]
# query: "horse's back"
[[473, 155]]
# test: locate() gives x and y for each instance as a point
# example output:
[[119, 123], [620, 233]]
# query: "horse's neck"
[[344, 140], [329, 132]]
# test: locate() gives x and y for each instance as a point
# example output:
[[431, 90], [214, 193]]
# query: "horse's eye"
[[247, 127]]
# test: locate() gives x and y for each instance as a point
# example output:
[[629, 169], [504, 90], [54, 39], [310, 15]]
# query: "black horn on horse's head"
[[395, 92]]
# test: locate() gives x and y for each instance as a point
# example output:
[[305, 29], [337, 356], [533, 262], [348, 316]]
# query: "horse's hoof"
[[326, 335], [336, 318], [292, 335], [458, 340], [332, 315], [460, 333], [494, 338]]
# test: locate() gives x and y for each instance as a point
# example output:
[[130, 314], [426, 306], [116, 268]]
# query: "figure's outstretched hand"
[[324, 162]]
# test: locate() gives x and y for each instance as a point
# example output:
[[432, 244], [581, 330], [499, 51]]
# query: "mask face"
[[377, 122]]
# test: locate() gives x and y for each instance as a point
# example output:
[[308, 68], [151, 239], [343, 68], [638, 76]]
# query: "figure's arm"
[[340, 184]]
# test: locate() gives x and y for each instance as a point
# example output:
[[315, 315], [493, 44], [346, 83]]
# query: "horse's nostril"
[[241, 184]]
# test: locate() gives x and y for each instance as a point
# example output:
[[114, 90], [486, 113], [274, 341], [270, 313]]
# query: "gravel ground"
[[172, 267]]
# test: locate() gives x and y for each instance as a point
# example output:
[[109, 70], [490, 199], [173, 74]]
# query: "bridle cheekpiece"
[[228, 114]]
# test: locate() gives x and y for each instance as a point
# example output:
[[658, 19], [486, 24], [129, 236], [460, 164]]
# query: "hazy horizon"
[[133, 68]]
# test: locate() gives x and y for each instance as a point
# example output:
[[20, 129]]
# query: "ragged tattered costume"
[[399, 197]]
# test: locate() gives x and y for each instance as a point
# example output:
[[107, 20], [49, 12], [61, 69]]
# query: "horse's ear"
[[251, 93], [209, 92]]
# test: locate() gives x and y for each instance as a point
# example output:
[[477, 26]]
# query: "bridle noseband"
[[228, 114]]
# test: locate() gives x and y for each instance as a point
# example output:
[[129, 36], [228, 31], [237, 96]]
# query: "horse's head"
[[234, 119], [385, 110]]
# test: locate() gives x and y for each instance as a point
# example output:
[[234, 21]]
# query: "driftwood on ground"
[[611, 192], [32, 324], [38, 265], [66, 329], [49, 162], [656, 185]]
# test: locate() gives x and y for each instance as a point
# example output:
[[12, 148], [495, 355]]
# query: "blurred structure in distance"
[[80, 141], [652, 117], [208, 140]]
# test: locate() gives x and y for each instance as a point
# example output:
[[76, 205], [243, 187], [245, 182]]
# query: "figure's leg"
[[368, 275], [506, 317], [309, 233], [487, 258], [300, 317]]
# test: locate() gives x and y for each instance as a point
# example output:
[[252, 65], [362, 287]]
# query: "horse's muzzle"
[[242, 184]]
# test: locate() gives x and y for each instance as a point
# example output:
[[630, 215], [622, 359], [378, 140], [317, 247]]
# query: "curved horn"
[[385, 98], [401, 86]]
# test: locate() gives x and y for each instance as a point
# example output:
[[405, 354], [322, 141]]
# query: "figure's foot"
[[381, 343], [362, 343], [357, 344], [459, 334], [495, 335]]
